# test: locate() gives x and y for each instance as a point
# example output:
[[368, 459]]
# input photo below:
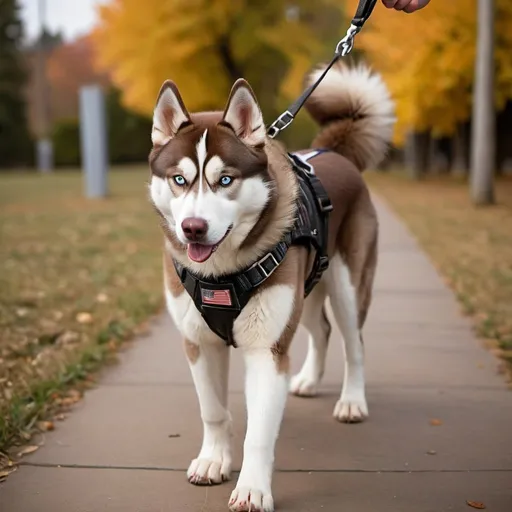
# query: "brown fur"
[[171, 278], [353, 224]]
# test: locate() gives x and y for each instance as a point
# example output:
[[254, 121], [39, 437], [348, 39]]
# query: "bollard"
[[44, 155], [93, 138]]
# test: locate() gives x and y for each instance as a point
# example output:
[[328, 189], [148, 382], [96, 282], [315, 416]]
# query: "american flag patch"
[[216, 297]]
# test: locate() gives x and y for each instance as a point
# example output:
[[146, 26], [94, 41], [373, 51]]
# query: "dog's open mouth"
[[199, 253]]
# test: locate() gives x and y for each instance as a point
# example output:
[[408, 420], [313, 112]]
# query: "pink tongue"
[[199, 252]]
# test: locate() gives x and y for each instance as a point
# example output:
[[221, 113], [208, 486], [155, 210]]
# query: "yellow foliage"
[[427, 60], [204, 45]]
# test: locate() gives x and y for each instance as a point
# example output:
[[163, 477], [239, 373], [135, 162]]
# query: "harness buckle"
[[265, 258], [284, 120], [325, 204], [323, 263]]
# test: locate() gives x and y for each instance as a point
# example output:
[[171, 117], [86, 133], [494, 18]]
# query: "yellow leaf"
[[84, 318], [27, 449]]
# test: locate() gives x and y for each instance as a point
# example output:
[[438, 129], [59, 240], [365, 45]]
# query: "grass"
[[77, 278], [471, 246]]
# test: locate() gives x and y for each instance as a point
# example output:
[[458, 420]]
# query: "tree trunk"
[[438, 161], [484, 129], [460, 151], [416, 155], [228, 60]]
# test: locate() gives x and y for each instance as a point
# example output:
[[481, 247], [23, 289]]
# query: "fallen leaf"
[[84, 318], [45, 426], [28, 449], [476, 504], [68, 337], [66, 402], [436, 423], [431, 452], [74, 395], [6, 472]]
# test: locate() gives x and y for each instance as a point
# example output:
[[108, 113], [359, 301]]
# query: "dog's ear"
[[244, 115], [169, 115]]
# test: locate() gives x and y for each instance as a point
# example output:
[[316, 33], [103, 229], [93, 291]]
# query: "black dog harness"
[[220, 300]]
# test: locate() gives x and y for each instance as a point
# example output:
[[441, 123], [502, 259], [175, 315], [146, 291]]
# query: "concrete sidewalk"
[[127, 445]]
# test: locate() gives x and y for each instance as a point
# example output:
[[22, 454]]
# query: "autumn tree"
[[205, 45], [428, 59], [68, 67]]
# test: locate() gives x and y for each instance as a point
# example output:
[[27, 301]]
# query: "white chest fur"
[[187, 319]]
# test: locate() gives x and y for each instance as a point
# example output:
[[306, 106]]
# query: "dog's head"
[[210, 178]]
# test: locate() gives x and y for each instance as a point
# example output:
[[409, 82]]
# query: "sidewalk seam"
[[341, 470]]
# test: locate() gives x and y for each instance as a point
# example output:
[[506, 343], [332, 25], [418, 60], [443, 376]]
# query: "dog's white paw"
[[301, 385], [213, 464], [209, 471], [244, 499], [351, 411]]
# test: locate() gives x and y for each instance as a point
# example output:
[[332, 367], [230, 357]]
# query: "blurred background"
[[53, 47], [79, 276]]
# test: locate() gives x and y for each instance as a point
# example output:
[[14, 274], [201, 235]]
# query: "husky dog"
[[226, 194]]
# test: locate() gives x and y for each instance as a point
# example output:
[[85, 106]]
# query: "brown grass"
[[77, 277], [471, 246]]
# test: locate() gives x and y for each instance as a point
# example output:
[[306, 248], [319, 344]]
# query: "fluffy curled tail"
[[355, 111]]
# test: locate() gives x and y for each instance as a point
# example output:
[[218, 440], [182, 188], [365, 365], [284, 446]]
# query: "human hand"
[[405, 5]]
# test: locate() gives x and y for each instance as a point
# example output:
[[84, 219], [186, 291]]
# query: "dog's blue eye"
[[225, 181], [179, 180]]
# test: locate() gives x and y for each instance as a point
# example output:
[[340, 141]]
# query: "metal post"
[[483, 142], [93, 137], [44, 144]]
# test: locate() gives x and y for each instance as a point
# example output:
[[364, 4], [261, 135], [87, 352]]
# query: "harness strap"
[[364, 11], [225, 297], [311, 230]]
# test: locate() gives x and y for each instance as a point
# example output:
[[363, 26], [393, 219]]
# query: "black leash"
[[343, 48]]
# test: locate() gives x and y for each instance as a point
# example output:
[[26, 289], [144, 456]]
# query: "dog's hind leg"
[[314, 319], [351, 407], [349, 284], [209, 364]]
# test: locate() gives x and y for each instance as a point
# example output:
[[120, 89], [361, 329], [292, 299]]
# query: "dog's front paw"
[[351, 410], [301, 385], [245, 499], [209, 471]]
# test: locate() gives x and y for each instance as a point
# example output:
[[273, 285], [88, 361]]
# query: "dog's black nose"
[[195, 228]]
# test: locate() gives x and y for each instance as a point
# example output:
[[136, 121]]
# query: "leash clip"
[[345, 45]]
